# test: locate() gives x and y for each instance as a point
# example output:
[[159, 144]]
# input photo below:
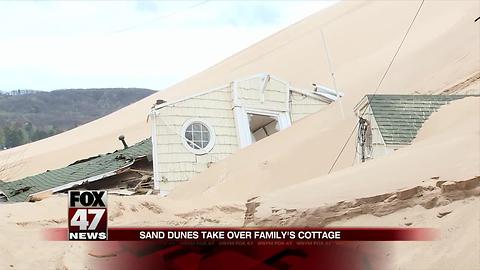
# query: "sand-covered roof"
[[399, 117], [100, 166]]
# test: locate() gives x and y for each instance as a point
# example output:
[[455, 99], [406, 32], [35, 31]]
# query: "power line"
[[157, 18], [400, 46], [380, 83]]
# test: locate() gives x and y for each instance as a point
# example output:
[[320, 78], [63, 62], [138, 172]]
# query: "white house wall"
[[274, 97], [303, 105], [176, 163]]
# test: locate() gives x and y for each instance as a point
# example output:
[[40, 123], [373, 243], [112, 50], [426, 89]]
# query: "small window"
[[198, 136]]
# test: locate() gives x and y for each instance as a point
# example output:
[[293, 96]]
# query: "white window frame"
[[243, 123], [210, 144]]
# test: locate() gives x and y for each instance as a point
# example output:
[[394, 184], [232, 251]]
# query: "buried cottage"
[[389, 122], [190, 134]]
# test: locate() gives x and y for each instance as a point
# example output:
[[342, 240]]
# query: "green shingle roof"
[[399, 117], [20, 190]]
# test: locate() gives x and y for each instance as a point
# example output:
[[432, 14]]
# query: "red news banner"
[[88, 221], [238, 248], [258, 235]]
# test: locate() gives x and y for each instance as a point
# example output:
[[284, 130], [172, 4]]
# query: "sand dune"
[[403, 189], [362, 36], [435, 156], [23, 248], [289, 170], [304, 151], [295, 174], [459, 244], [374, 194]]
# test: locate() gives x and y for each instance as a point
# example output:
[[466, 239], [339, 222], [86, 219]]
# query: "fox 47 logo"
[[87, 215]]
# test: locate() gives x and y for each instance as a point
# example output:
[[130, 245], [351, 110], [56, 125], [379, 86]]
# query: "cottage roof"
[[324, 93], [399, 117], [95, 168]]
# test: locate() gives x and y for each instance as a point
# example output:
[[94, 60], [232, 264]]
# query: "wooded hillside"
[[28, 115]]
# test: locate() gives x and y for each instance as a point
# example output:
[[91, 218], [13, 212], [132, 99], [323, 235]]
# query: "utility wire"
[[379, 84], [399, 47], [157, 18]]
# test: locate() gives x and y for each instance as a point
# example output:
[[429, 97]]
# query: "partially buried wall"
[[175, 162], [302, 105]]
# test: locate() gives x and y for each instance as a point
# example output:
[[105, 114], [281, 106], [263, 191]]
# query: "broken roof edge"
[[313, 95], [320, 96], [129, 154], [327, 92], [81, 181], [169, 103]]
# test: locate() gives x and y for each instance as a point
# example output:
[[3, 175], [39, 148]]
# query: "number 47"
[[80, 218]]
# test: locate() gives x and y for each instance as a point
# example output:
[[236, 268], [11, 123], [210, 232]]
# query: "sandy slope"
[[441, 153], [444, 148], [403, 189], [288, 170], [441, 50], [459, 245], [304, 151], [22, 247]]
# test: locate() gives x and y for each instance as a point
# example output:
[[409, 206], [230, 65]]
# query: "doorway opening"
[[262, 126]]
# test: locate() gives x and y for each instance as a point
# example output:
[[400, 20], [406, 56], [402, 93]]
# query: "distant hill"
[[29, 115]]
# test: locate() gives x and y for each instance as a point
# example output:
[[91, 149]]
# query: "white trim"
[[312, 95], [156, 169], [287, 100], [329, 93], [256, 76], [242, 125], [241, 119], [284, 120], [235, 93], [173, 129], [282, 117], [260, 75], [280, 80], [360, 105], [3, 195], [211, 142], [263, 112], [169, 103], [265, 81]]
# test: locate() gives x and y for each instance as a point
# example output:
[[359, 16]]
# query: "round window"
[[198, 136]]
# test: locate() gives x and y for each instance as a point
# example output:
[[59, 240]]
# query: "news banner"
[[88, 221]]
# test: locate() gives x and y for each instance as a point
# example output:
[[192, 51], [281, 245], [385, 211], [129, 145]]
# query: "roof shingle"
[[20, 190], [399, 117]]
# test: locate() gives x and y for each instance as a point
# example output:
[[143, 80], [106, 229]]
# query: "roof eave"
[[82, 181], [360, 105]]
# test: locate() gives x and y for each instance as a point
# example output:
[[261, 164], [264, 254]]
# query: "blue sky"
[[46, 45]]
